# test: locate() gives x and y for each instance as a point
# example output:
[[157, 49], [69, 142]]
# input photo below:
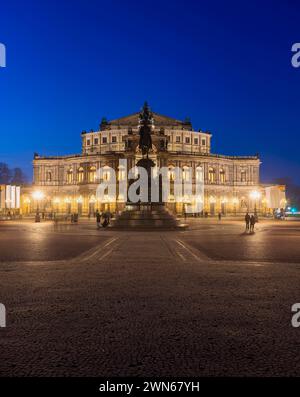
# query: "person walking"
[[98, 219], [247, 221], [252, 223], [105, 222]]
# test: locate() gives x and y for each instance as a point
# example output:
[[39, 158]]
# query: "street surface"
[[203, 302]]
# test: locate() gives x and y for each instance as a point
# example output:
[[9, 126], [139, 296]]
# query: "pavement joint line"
[[174, 253], [213, 261], [97, 251], [105, 255], [201, 259]]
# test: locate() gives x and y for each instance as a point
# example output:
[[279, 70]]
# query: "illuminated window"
[[121, 174], [178, 139], [92, 174], [199, 174], [80, 175], [222, 176], [211, 175], [70, 176], [106, 174], [88, 142], [243, 176], [186, 174], [49, 176]]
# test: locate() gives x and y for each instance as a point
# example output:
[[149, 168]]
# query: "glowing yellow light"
[[27, 201], [67, 200], [255, 195], [92, 200], [79, 200], [235, 200], [38, 195], [56, 200], [186, 199]]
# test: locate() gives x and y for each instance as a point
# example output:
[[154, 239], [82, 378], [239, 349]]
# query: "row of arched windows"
[[92, 175], [212, 174], [80, 175]]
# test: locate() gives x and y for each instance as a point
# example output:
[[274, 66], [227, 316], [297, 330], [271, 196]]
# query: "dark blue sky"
[[225, 64]]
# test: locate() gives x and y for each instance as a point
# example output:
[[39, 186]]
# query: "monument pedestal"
[[146, 216]]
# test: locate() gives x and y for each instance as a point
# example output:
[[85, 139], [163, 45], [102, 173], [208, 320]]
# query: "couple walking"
[[250, 222]]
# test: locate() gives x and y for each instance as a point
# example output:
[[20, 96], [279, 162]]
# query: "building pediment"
[[160, 121]]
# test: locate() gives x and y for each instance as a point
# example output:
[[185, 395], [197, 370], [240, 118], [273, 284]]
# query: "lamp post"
[[56, 202], [235, 201], [38, 196], [27, 202], [79, 205], [255, 195], [68, 203]]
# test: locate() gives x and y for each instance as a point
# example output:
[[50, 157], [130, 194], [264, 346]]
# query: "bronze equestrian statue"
[[146, 122]]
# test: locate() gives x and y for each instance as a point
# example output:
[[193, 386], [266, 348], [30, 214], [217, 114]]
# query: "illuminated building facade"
[[232, 183]]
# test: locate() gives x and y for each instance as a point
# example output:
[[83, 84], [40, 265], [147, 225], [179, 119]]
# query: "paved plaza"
[[207, 301]]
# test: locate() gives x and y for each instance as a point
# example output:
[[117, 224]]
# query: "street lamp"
[[27, 202], [38, 196], [255, 195], [235, 201], [56, 201]]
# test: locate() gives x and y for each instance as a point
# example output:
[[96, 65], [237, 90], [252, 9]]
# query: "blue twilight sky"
[[226, 64]]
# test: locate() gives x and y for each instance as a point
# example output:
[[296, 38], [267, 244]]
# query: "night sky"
[[225, 64]]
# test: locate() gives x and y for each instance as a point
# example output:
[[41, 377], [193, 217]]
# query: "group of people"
[[250, 221], [103, 219]]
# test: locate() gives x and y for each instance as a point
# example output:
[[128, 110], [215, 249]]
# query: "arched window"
[[121, 173], [70, 176], [186, 174], [199, 174], [211, 175], [92, 174], [106, 173], [80, 175], [222, 176], [243, 176], [49, 176]]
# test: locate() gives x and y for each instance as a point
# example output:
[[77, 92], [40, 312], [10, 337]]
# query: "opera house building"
[[68, 183]]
